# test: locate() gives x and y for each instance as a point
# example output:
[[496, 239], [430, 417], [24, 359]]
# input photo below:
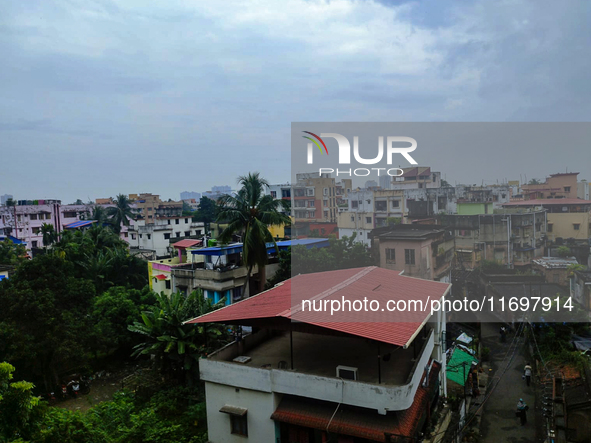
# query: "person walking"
[[503, 332], [527, 373], [522, 411]]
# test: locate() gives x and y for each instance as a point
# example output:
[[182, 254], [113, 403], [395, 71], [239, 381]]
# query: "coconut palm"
[[121, 213], [49, 235], [99, 214], [250, 213]]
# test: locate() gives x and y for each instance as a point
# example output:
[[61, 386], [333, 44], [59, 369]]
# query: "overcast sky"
[[102, 97]]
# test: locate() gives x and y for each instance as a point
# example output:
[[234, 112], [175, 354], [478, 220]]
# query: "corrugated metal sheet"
[[369, 283]]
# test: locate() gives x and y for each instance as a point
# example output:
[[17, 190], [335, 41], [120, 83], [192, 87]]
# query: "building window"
[[69, 215], [409, 256], [285, 193], [168, 221], [239, 425], [550, 227], [311, 203], [186, 220], [168, 286], [381, 206], [274, 194], [187, 233], [177, 234], [352, 218], [34, 243], [576, 226], [390, 255], [36, 230], [355, 204], [567, 189], [141, 235], [33, 216], [149, 236], [166, 236], [133, 236], [367, 219], [395, 203], [177, 221], [47, 216]]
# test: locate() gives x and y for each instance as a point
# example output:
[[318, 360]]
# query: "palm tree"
[[121, 213], [250, 213], [99, 214], [49, 235]]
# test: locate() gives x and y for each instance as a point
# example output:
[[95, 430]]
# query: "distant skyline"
[[100, 97]]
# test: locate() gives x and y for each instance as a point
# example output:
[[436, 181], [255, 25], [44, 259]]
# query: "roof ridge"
[[289, 312]]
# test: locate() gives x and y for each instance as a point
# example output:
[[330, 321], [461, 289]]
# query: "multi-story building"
[[30, 215], [301, 377], [563, 185], [416, 178], [4, 198], [473, 200], [369, 209], [149, 206], [217, 192], [218, 270], [158, 234], [511, 238], [316, 201], [423, 251], [567, 217]]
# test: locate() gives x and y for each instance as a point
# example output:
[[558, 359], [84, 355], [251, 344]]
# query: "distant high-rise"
[[221, 189], [4, 198], [188, 195]]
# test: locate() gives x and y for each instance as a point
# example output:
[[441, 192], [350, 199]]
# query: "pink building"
[[24, 221]]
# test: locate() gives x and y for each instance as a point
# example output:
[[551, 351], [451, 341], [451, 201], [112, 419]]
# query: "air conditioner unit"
[[347, 372]]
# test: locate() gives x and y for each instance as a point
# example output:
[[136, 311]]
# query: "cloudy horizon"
[[100, 98]]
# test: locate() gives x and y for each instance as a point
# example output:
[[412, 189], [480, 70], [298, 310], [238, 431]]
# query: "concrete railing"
[[381, 397]]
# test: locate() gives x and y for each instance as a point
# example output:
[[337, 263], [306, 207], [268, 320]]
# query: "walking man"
[[522, 411], [527, 373]]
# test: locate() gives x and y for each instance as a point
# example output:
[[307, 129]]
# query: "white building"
[[350, 378], [157, 235]]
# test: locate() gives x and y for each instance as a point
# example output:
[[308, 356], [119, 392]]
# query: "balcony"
[[316, 358]]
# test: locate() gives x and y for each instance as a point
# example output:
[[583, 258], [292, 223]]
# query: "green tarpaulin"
[[459, 365]]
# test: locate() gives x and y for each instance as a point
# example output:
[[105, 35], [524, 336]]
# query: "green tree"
[[11, 253], [121, 213], [44, 322], [177, 346], [207, 211], [563, 251], [112, 312], [250, 214], [534, 181], [19, 408], [99, 214]]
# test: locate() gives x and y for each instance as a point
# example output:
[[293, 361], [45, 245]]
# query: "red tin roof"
[[285, 301], [187, 243]]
